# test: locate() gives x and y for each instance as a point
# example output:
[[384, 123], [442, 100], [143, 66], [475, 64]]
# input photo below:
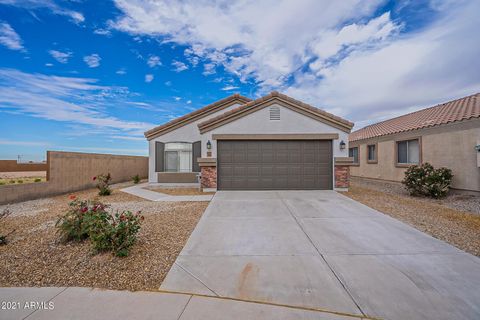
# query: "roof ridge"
[[277, 94], [421, 110], [185, 117], [459, 109]]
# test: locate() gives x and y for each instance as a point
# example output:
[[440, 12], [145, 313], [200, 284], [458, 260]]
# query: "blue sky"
[[92, 76]]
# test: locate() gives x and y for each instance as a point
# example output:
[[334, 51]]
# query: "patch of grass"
[[23, 180]]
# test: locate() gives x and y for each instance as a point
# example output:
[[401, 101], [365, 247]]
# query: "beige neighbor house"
[[446, 135], [274, 142]]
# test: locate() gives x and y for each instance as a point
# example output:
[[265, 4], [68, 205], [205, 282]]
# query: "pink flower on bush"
[[94, 178], [84, 209]]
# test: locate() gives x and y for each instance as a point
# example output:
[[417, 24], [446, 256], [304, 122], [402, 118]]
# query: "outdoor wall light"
[[209, 145], [342, 145]]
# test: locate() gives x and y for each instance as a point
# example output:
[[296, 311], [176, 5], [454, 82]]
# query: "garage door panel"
[[275, 164]]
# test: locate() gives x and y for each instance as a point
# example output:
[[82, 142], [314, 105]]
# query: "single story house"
[[446, 135], [274, 142]]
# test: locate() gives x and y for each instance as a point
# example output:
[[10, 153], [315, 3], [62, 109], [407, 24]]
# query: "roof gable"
[[275, 98], [448, 112], [196, 115]]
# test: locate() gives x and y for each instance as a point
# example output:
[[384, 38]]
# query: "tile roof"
[[274, 94], [195, 115], [452, 111]]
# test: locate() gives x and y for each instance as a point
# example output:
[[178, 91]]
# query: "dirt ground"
[[457, 227], [21, 177], [34, 257], [179, 191]]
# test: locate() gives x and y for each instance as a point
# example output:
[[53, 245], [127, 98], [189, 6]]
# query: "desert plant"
[[5, 213], [117, 232], [12, 181], [20, 181], [37, 180], [136, 179], [75, 224], [425, 180], [103, 184], [2, 183]]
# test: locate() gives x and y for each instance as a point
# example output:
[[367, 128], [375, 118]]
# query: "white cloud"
[[344, 56], [149, 78], [228, 88], [24, 143], [60, 56], [103, 32], [179, 66], [74, 100], [75, 16], [189, 102], [9, 38], [154, 61], [177, 98], [92, 60], [121, 71], [48, 64], [168, 83]]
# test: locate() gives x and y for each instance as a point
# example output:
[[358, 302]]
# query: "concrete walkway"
[[91, 304], [321, 249], [139, 191]]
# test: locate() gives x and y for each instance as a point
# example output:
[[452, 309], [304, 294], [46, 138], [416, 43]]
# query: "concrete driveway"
[[323, 250]]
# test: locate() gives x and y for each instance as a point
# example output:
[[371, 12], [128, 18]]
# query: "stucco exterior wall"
[[186, 133], [290, 122], [450, 146], [72, 171]]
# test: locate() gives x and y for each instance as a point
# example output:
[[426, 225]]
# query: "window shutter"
[[196, 153], [159, 156]]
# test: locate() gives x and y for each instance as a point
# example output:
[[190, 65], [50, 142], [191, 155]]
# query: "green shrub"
[[107, 232], [37, 180], [136, 179], [5, 213], [75, 224], [2, 183], [425, 180], [103, 184], [12, 181], [20, 181], [117, 232]]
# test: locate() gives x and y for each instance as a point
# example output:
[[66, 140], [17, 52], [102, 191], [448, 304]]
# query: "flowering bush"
[[427, 181], [117, 232], [90, 219], [75, 224], [103, 184], [5, 213]]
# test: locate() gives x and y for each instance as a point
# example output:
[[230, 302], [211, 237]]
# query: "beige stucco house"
[[446, 135], [274, 142]]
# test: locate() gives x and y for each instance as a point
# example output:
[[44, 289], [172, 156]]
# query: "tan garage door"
[[274, 165]]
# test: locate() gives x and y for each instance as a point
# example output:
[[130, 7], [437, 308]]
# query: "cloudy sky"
[[92, 76]]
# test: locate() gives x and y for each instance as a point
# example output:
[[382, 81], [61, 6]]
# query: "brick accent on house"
[[342, 176], [209, 177]]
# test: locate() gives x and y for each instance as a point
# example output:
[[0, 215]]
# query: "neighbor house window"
[[372, 153], [408, 152], [178, 157], [353, 153]]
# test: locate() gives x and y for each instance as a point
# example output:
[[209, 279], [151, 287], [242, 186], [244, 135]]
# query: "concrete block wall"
[[73, 171]]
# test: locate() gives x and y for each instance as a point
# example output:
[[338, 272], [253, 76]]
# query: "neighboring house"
[[445, 135], [274, 142]]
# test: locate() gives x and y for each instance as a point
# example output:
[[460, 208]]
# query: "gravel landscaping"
[[34, 256], [179, 191], [449, 219]]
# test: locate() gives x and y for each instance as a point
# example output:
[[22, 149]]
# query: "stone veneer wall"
[[342, 176], [73, 171], [209, 177]]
